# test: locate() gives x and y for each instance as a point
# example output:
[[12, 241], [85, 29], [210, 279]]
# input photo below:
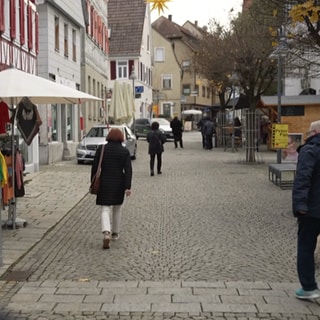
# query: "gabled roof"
[[126, 20], [170, 30]]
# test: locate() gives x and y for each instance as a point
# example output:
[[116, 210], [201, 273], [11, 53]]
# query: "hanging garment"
[[19, 168], [3, 170], [28, 120], [7, 189], [4, 116]]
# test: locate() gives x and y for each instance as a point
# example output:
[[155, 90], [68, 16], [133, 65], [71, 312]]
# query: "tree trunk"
[[251, 146]]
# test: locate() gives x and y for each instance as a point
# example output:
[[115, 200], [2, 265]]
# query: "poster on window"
[[294, 141]]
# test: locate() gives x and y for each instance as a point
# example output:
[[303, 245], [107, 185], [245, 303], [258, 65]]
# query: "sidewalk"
[[54, 191], [50, 194]]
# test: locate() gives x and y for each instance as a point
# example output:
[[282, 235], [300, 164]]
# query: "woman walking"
[[115, 183], [156, 139]]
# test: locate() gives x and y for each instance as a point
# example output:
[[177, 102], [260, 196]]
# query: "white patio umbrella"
[[191, 111], [16, 84], [117, 111], [128, 101]]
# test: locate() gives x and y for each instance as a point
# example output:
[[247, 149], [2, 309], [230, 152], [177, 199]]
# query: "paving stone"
[[223, 307], [194, 308]]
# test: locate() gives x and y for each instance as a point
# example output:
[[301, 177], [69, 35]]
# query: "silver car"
[[96, 136]]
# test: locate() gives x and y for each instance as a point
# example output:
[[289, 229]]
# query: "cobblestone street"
[[209, 227]]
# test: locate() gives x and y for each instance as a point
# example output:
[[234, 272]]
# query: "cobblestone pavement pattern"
[[210, 238]]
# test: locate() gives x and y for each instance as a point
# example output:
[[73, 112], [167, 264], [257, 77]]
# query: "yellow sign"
[[279, 136]]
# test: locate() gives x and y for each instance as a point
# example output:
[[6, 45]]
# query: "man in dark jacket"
[[208, 130], [306, 208], [200, 126], [177, 128]]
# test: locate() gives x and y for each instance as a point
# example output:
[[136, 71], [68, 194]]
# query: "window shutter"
[[13, 19], [91, 21], [107, 41], [99, 31], [30, 35], [113, 71], [22, 21], [131, 63], [37, 32], [2, 15]]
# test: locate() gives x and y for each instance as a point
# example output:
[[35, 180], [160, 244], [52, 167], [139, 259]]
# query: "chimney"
[[196, 23], [170, 17]]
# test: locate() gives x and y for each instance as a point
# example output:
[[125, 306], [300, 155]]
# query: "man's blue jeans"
[[308, 231]]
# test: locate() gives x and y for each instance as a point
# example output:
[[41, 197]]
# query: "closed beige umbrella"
[[117, 111]]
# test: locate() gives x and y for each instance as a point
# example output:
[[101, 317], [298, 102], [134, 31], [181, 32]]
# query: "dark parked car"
[[141, 127]]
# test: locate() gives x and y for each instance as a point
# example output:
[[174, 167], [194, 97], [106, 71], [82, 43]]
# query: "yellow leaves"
[[158, 4], [306, 10]]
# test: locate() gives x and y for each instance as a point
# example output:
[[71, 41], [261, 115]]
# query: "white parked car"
[[164, 127], [96, 136]]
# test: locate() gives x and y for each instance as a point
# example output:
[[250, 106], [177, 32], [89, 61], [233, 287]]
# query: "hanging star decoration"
[[158, 4]]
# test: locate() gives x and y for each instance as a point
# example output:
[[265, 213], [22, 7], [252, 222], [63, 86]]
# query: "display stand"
[[13, 221]]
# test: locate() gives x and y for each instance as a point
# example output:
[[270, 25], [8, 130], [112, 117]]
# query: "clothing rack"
[[11, 143]]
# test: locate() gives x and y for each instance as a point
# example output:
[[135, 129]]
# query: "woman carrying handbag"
[[115, 183]]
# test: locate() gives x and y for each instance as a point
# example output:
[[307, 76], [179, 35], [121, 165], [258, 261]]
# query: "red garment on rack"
[[4, 116]]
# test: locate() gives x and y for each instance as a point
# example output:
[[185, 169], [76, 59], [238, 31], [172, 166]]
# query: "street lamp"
[[234, 80], [280, 52], [133, 77]]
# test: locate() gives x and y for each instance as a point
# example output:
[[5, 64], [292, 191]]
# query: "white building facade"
[[59, 60]]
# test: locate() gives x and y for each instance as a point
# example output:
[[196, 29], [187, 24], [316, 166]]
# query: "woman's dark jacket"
[[306, 188], [116, 174], [156, 140]]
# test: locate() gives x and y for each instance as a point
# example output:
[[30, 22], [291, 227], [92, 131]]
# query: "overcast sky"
[[199, 10]]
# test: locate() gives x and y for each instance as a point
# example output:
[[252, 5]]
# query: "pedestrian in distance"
[[156, 140], [177, 129], [306, 208], [115, 183], [200, 126], [208, 130]]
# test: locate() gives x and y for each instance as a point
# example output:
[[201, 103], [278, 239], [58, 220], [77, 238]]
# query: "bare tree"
[[245, 48]]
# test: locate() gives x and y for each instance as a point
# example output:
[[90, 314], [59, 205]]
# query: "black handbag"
[[95, 183]]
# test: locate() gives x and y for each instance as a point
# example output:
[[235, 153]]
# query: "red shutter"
[[113, 71], [104, 39], [131, 63], [22, 21], [13, 19], [30, 35], [99, 31], [2, 16], [36, 26]]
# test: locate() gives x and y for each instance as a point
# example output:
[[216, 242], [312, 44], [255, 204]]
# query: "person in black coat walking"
[[177, 129], [115, 183], [156, 139], [306, 208], [208, 130]]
